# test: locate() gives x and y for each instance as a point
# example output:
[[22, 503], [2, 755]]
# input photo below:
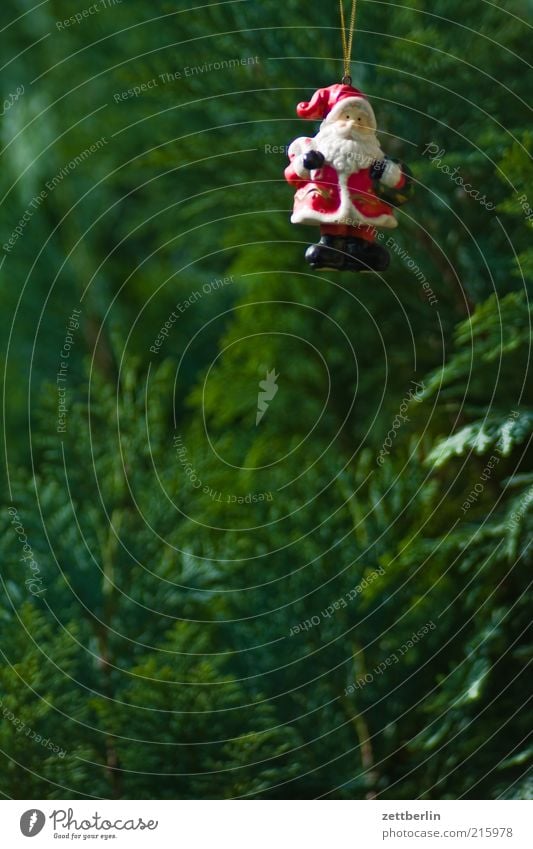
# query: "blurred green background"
[[151, 626]]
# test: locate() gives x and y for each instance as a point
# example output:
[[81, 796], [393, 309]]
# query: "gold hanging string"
[[347, 40]]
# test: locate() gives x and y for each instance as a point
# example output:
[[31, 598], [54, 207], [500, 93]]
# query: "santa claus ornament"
[[345, 184]]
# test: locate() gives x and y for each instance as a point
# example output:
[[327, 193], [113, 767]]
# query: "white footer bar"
[[268, 825]]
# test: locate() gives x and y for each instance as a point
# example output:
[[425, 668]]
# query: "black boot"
[[369, 255], [331, 254]]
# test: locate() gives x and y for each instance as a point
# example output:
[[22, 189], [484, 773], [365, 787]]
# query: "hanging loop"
[[347, 40]]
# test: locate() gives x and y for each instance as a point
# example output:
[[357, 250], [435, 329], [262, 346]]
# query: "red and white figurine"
[[345, 183]]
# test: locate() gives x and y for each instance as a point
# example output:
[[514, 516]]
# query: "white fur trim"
[[299, 167], [346, 212], [391, 175], [297, 150], [307, 216], [300, 145]]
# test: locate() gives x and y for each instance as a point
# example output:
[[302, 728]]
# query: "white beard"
[[347, 155]]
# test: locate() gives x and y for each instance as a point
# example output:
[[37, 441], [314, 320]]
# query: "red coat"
[[326, 196]]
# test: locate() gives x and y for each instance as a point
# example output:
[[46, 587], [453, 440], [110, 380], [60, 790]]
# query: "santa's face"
[[349, 142], [353, 122]]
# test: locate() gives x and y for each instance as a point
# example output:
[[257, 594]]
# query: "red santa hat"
[[327, 104]]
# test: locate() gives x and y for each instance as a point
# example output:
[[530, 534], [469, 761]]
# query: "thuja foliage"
[[221, 609]]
